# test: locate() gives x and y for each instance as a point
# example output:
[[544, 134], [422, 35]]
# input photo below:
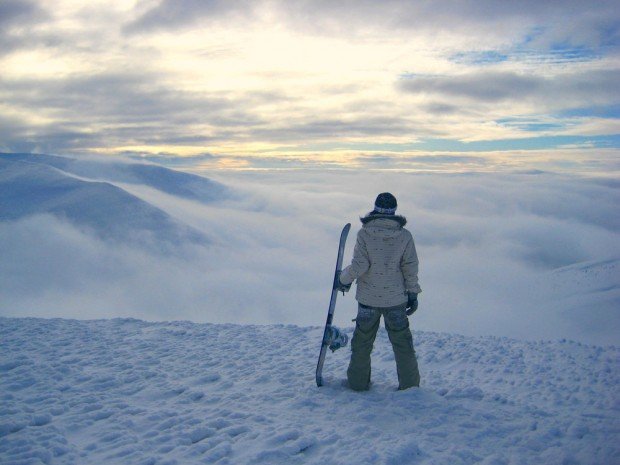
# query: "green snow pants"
[[397, 325]]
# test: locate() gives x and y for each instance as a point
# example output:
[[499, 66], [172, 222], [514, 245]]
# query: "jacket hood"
[[401, 220]]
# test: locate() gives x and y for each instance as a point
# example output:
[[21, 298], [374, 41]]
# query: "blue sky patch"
[[529, 143], [451, 145], [484, 57], [530, 125], [607, 111]]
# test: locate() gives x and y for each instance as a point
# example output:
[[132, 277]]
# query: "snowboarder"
[[385, 265]]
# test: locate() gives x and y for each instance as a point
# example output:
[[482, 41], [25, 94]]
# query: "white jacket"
[[385, 262]]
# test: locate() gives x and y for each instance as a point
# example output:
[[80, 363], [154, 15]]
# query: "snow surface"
[[587, 295], [118, 170], [28, 188], [130, 392]]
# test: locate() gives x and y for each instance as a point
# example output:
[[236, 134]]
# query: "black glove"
[[412, 303], [341, 287]]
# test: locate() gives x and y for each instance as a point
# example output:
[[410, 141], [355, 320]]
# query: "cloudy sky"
[[482, 84]]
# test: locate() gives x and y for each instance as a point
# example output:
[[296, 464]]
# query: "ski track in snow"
[[131, 392]]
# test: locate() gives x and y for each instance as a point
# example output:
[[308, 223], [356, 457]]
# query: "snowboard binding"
[[335, 338]]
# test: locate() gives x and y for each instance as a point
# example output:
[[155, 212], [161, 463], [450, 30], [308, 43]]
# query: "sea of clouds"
[[490, 247]]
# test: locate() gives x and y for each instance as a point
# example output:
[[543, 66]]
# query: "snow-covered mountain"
[[130, 392], [587, 295], [170, 181], [587, 277], [84, 193], [125, 391]]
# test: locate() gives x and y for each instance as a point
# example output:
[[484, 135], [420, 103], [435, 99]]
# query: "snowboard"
[[327, 332]]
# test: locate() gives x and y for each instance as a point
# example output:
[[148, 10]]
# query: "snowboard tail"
[[327, 332]]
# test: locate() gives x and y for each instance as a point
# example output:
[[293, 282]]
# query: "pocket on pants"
[[366, 317], [396, 320]]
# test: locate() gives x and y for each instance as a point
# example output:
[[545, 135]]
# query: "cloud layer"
[[488, 246], [581, 89]]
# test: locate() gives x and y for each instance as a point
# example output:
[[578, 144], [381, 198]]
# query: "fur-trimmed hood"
[[401, 220]]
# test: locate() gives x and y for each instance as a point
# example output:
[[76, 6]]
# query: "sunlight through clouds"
[[269, 80]]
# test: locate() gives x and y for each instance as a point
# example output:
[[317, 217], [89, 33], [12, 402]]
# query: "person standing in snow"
[[385, 265]]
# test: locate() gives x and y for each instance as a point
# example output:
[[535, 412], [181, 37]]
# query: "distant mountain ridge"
[[44, 184], [594, 276], [181, 184]]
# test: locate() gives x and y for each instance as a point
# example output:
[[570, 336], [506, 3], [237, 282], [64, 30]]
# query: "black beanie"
[[385, 204]]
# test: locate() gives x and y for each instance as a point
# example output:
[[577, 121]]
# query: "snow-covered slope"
[[29, 188], [589, 277], [131, 392], [587, 295], [178, 183]]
